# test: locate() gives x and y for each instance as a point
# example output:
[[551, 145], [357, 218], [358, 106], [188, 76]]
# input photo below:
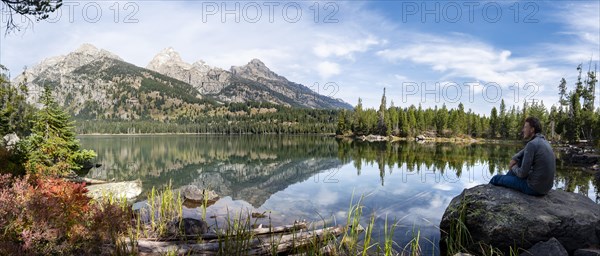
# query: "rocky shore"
[[419, 138], [508, 220], [579, 156]]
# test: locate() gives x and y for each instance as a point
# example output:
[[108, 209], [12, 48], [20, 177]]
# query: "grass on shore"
[[234, 236]]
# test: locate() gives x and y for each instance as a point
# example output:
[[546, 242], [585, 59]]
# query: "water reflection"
[[250, 168], [310, 177]]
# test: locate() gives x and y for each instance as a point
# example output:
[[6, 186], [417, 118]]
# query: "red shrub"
[[54, 216]]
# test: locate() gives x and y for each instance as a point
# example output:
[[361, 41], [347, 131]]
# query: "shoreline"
[[193, 133], [392, 139], [352, 137]]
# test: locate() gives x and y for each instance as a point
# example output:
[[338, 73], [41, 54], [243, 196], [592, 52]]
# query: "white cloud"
[[400, 77], [281, 45], [443, 187], [454, 58], [327, 69], [342, 47], [307, 51], [583, 21], [579, 24]]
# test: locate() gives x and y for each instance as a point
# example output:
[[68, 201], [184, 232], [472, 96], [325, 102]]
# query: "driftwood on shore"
[[263, 241]]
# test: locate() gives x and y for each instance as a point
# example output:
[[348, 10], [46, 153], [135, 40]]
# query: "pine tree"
[[513, 124], [573, 128], [494, 123], [15, 113], [462, 120], [341, 126], [596, 127], [441, 121], [394, 119], [382, 128], [579, 85], [587, 112], [421, 120], [52, 147], [562, 92], [504, 128], [538, 110], [358, 123], [412, 122], [402, 122], [552, 121]]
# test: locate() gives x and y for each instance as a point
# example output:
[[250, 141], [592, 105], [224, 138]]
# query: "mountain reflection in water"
[[309, 177]]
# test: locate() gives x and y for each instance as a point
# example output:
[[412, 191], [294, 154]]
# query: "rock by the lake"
[[587, 252], [128, 189], [372, 138], [259, 215], [585, 159], [188, 226], [550, 247], [579, 155], [503, 217], [196, 195], [10, 140], [421, 137]]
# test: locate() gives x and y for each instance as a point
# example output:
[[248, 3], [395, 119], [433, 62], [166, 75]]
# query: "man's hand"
[[511, 164]]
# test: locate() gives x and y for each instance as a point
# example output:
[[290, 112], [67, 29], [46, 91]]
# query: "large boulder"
[[503, 217], [550, 247], [197, 195], [587, 252], [125, 189], [9, 141]]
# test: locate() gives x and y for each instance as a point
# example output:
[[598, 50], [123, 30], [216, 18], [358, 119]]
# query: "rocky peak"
[[57, 66], [87, 48], [204, 78], [256, 69], [167, 57], [202, 66], [91, 51], [251, 82], [257, 63]]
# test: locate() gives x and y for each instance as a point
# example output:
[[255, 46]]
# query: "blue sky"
[[487, 53]]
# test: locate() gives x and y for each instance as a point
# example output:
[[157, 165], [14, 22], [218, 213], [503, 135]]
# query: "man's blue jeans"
[[510, 180]]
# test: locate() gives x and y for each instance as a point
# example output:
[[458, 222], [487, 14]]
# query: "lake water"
[[315, 177]]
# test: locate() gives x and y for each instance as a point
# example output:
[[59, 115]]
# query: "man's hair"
[[535, 123]]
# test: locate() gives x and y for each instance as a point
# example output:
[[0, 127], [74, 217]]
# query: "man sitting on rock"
[[532, 169]]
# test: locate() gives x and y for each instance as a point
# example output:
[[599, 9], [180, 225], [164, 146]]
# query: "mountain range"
[[93, 83]]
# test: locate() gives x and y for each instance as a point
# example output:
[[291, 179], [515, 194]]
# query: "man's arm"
[[516, 159], [519, 156], [522, 169]]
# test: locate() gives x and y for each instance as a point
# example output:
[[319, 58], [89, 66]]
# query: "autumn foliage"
[[52, 216]]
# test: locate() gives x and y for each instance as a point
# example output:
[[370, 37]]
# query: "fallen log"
[[90, 181], [297, 240], [263, 244], [255, 232]]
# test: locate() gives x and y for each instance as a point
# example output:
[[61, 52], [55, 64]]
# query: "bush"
[[11, 162], [54, 216]]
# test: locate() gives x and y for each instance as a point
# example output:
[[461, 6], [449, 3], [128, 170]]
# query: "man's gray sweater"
[[537, 163]]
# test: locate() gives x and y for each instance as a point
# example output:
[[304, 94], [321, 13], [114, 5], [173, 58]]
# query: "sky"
[[422, 52]]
